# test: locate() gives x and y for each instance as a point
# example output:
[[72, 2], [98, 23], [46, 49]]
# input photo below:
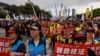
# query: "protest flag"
[[56, 10], [91, 12], [14, 16], [87, 13], [73, 13], [68, 12], [83, 17], [65, 12], [35, 18], [8, 17], [60, 10]]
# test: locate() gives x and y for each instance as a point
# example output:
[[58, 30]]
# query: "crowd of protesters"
[[42, 34]]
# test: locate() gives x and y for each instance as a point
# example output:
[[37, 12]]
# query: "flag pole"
[[91, 11], [56, 10], [33, 9]]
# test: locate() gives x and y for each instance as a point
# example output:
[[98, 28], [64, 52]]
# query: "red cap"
[[11, 31], [80, 34]]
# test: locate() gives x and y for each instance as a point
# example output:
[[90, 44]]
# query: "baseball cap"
[[13, 30], [80, 37], [35, 26], [90, 29], [80, 34]]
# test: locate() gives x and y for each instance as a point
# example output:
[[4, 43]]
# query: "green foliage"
[[2, 14], [79, 16], [25, 9], [96, 12]]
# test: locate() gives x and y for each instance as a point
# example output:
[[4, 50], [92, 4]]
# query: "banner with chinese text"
[[70, 50], [4, 46], [95, 48]]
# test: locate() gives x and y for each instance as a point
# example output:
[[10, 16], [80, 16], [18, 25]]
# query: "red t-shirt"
[[68, 31], [58, 31], [46, 30]]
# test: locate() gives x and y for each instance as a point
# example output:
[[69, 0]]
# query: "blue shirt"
[[18, 46], [37, 50]]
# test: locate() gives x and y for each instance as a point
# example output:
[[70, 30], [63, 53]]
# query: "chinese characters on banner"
[[70, 50], [95, 48], [58, 31], [46, 31], [4, 47]]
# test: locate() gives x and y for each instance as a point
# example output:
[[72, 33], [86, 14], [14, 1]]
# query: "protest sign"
[[46, 30], [4, 46], [58, 31], [95, 48], [70, 50]]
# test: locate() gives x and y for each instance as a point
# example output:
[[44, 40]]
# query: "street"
[[2, 32]]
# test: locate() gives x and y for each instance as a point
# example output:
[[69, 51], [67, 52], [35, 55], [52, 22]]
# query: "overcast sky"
[[79, 5]]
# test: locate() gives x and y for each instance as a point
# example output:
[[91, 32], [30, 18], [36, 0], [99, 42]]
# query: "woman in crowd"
[[27, 26], [97, 33], [21, 28], [37, 45], [17, 45], [90, 34], [80, 38]]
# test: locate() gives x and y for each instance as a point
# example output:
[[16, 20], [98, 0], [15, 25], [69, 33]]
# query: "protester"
[[90, 36], [27, 26], [95, 27], [71, 30], [66, 32], [37, 45], [46, 29], [17, 44], [60, 31], [80, 38], [6, 26], [45, 32], [78, 27], [85, 26], [21, 28]]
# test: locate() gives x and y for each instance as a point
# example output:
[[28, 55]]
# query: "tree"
[[79, 16], [96, 12], [2, 14], [25, 9]]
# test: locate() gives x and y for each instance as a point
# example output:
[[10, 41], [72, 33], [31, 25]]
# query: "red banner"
[[58, 31], [70, 50], [95, 48], [4, 46], [46, 30]]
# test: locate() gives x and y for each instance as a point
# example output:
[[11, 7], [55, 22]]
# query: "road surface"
[[2, 32]]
